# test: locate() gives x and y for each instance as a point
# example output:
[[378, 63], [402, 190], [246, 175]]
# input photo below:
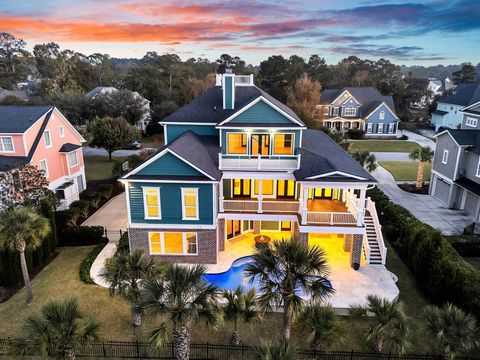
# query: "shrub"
[[81, 235], [468, 230], [95, 199], [123, 244], [404, 137], [86, 264], [83, 207], [465, 245], [356, 134], [106, 190]]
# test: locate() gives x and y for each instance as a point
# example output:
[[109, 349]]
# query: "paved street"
[[391, 156], [88, 151]]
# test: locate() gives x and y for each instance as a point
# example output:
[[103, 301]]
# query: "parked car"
[[135, 145]]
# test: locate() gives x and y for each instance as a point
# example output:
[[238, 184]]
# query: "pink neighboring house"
[[42, 136]]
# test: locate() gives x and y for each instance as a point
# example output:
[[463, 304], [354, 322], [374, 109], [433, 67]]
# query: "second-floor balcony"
[[259, 162]]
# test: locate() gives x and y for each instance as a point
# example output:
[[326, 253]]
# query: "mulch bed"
[[411, 188]]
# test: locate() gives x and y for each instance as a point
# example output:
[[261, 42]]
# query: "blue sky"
[[415, 32]]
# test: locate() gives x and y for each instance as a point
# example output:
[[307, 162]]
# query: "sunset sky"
[[415, 32]]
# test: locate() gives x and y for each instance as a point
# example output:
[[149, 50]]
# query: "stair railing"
[[378, 229]]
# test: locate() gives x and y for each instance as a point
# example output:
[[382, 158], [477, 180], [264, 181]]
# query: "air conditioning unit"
[[67, 193]]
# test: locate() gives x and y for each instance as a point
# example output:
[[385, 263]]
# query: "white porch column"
[[260, 196], [304, 204], [361, 207], [220, 197]]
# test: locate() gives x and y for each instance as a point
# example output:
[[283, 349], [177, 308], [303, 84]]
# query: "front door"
[[233, 228], [260, 144]]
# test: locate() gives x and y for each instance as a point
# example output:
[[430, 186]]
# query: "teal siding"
[[261, 113], [169, 164], [228, 92], [171, 203], [223, 134], [174, 131]]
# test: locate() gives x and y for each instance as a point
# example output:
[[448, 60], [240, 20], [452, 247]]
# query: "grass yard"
[[60, 279], [474, 261], [383, 145], [153, 141], [406, 170], [98, 167]]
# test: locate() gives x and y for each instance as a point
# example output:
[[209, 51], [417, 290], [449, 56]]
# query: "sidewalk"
[[419, 139]]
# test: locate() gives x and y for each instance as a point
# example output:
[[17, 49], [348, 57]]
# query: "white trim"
[[46, 167], [61, 131], [260, 128], [335, 173], [24, 140], [257, 216], [465, 109], [258, 175], [76, 157], [380, 127], [184, 216], [477, 172], [165, 134], [334, 229], [260, 98], [41, 117], [127, 198], [140, 225], [388, 107], [442, 177], [69, 124], [186, 123], [351, 96], [349, 108], [342, 185], [13, 145], [162, 243], [145, 207], [446, 131], [168, 181], [471, 122], [445, 156], [48, 146]]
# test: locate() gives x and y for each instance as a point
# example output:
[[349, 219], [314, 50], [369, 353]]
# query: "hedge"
[[86, 264], [123, 244], [81, 235], [440, 271], [10, 271], [465, 245]]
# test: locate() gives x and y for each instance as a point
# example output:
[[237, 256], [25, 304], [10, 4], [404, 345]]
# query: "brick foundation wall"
[[256, 227], [303, 239], [221, 234], [356, 249], [347, 245], [296, 230], [206, 241]]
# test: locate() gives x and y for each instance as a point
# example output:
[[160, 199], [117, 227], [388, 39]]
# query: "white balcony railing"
[[240, 205], [249, 205], [281, 206], [331, 218], [268, 163]]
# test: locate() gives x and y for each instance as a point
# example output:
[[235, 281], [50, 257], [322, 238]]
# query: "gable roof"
[[322, 157], [200, 152], [464, 94], [15, 119], [369, 98], [208, 107]]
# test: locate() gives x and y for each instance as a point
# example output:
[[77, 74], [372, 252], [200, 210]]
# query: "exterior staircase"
[[375, 254]]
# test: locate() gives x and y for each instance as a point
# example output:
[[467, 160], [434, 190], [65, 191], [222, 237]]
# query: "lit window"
[[172, 243], [189, 204], [237, 143], [267, 187], [350, 111], [381, 116], [151, 198], [73, 159], [44, 167], [380, 128], [445, 156], [6, 144], [471, 122], [283, 144], [61, 130], [47, 138]]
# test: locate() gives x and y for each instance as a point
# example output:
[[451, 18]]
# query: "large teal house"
[[240, 168]]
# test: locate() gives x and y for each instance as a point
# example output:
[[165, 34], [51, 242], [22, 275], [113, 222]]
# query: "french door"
[[286, 189], [327, 193], [260, 144], [241, 188], [234, 228]]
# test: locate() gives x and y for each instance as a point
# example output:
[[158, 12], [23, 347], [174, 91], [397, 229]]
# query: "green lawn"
[[60, 279], [474, 261], [153, 141], [383, 145], [98, 167], [406, 170]]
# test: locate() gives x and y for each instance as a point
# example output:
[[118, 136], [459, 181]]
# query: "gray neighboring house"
[[359, 108], [146, 118], [471, 116], [455, 179]]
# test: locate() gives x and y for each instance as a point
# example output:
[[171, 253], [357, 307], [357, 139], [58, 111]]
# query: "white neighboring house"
[[146, 118]]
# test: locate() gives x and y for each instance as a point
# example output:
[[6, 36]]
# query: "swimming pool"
[[233, 277]]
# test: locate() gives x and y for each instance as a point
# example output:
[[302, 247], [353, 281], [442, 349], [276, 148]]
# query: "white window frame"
[[378, 128], [2, 144], [46, 166], [477, 174], [184, 212], [76, 159], [61, 130], [162, 243], [391, 128], [49, 138], [335, 111], [145, 207], [445, 156], [381, 115], [348, 111], [369, 128], [472, 122]]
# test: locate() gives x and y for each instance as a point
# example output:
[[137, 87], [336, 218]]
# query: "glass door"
[[319, 193], [233, 228], [260, 144], [241, 188], [286, 189]]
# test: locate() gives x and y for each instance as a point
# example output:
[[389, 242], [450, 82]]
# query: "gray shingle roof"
[[440, 112], [16, 119], [465, 137], [463, 94], [368, 97], [208, 108], [12, 162], [68, 147], [321, 155]]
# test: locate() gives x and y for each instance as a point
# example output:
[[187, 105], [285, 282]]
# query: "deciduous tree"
[[110, 133]]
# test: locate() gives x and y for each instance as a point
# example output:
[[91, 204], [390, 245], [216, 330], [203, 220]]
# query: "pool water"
[[233, 277]]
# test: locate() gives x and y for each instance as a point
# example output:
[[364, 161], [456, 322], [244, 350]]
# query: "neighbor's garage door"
[[442, 189], [471, 202]]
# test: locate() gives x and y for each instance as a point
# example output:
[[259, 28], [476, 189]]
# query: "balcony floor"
[[326, 205]]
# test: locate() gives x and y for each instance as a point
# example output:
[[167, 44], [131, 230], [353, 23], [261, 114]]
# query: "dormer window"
[[350, 111]]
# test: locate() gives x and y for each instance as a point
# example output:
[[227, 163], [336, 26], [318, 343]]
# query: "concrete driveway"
[[112, 216], [392, 156], [419, 139], [424, 207]]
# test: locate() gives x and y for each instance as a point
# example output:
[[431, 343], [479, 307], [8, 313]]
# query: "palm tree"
[[124, 272], [23, 229], [367, 160], [422, 155], [321, 325], [240, 309], [279, 351], [180, 296], [284, 270], [56, 331], [454, 330], [387, 323]]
